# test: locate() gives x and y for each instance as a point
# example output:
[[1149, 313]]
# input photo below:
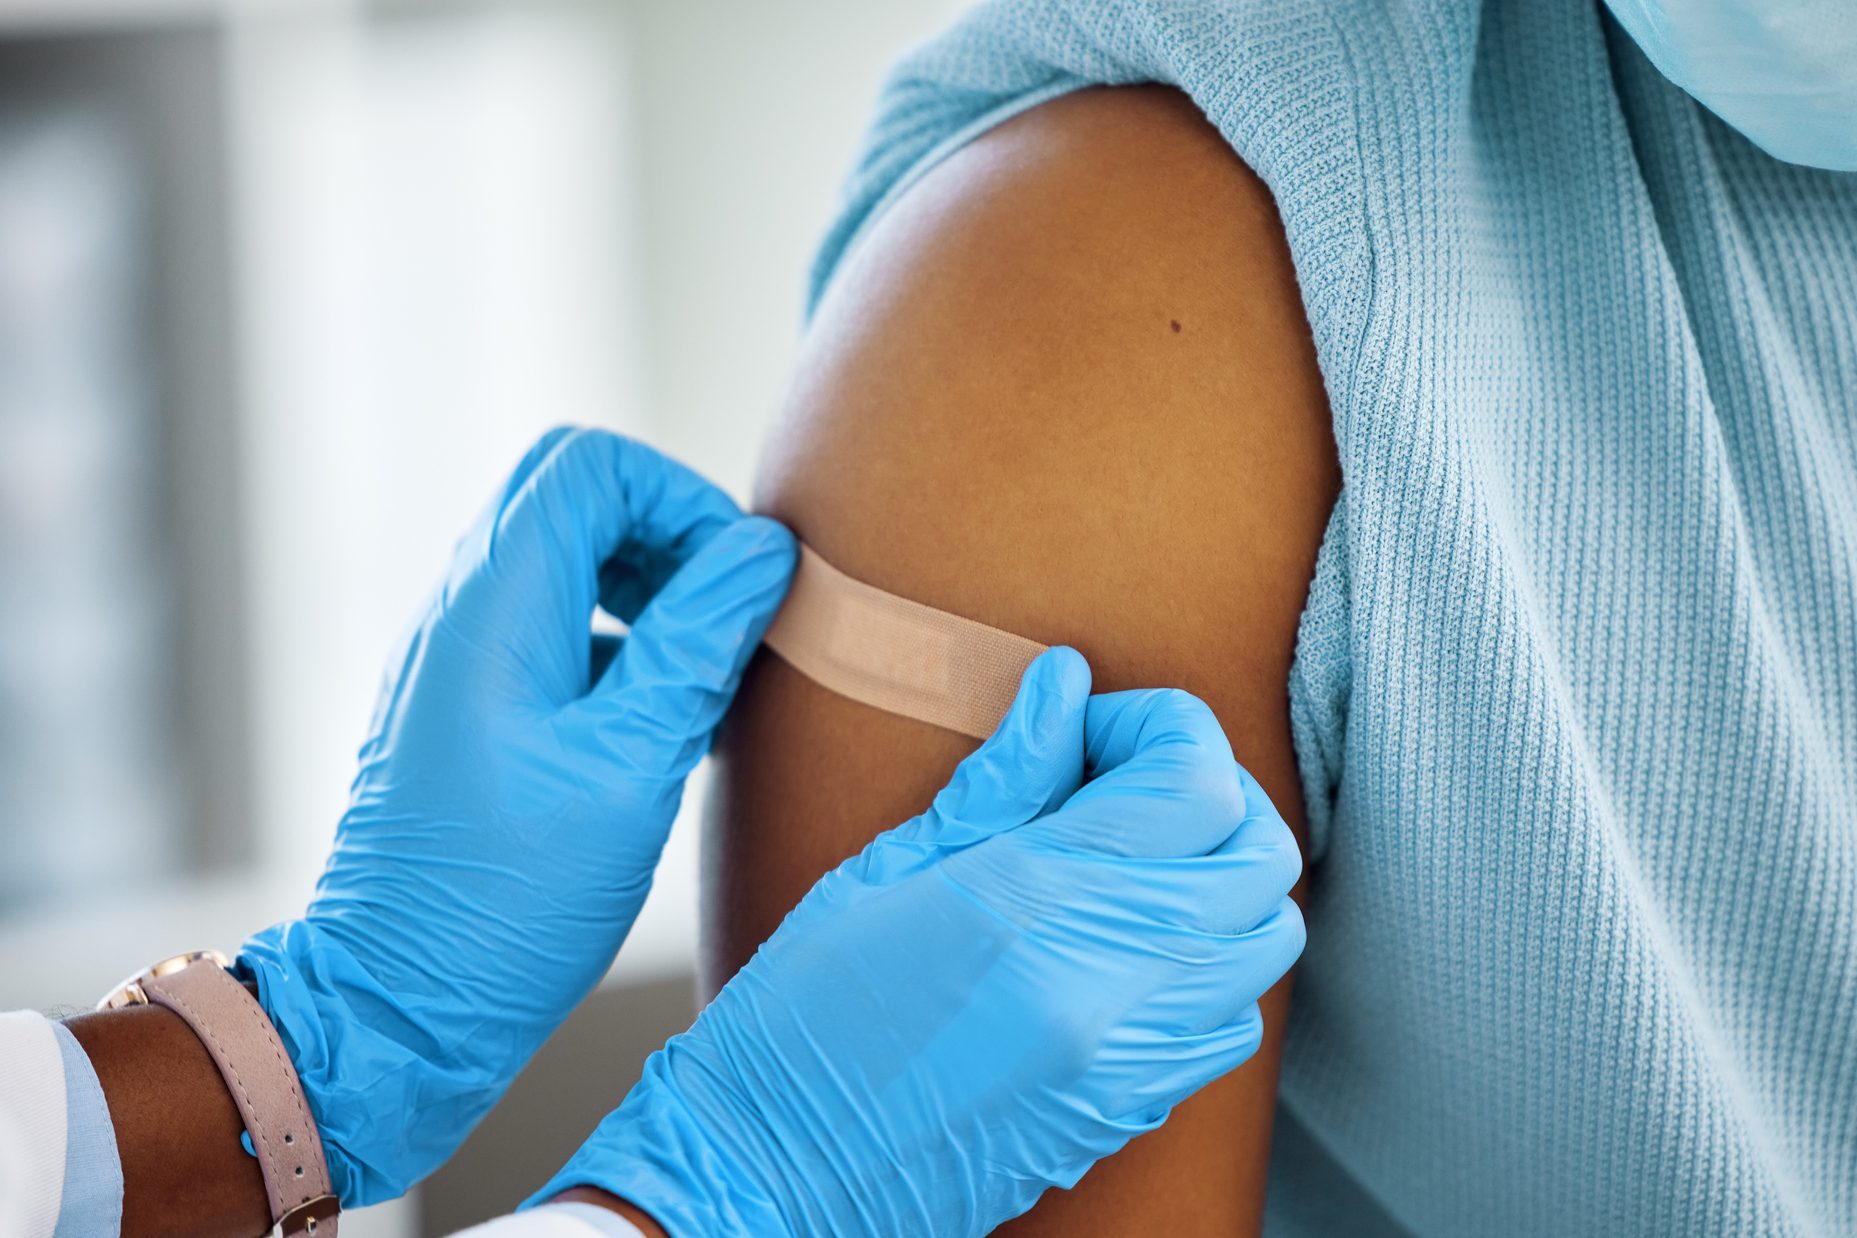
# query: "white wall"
[[453, 225]]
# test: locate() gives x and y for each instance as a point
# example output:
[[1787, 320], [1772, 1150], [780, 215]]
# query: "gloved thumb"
[[1031, 763], [677, 670]]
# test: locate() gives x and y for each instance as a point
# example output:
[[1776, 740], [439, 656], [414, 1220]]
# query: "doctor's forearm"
[[177, 1130]]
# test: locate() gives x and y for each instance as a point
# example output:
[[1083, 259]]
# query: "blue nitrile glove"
[[989, 998], [513, 796]]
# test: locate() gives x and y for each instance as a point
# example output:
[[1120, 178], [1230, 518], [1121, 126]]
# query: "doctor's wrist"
[[176, 1126], [391, 1100]]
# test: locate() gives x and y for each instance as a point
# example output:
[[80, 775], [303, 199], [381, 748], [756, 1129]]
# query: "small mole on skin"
[[1175, 324]]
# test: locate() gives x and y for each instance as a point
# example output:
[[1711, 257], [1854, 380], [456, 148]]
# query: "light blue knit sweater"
[[1576, 691]]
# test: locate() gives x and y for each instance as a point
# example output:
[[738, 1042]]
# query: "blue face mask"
[[1783, 72]]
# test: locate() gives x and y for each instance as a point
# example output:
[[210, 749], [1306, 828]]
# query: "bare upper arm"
[[1064, 386]]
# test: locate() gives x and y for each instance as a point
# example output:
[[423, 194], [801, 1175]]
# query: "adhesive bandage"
[[900, 656]]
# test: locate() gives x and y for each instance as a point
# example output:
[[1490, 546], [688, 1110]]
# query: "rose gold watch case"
[[130, 991]]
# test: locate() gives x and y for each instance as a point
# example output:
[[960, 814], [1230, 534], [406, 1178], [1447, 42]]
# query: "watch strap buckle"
[[302, 1221]]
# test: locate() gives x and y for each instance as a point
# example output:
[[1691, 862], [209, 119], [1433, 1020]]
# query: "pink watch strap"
[[243, 1044]]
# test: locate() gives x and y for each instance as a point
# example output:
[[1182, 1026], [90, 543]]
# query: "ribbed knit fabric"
[[1576, 690]]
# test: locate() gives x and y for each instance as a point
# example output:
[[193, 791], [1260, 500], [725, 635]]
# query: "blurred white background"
[[285, 289]]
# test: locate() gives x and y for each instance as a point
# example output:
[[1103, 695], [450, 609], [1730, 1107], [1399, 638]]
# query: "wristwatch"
[[237, 1034]]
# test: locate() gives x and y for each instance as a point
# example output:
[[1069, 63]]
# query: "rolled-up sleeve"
[[60, 1174]]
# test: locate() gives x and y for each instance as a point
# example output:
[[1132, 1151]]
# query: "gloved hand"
[[513, 796], [989, 998]]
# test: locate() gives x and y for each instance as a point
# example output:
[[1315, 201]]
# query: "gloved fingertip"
[[745, 559], [766, 539], [1047, 713], [751, 563], [1064, 674], [702, 628], [1034, 758], [532, 459]]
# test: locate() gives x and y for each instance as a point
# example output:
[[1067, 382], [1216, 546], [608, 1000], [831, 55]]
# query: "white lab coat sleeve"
[[557, 1221], [59, 1170]]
